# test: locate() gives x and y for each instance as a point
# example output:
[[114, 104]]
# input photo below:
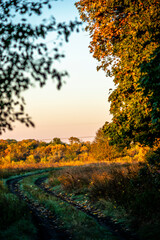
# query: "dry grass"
[[92, 176], [133, 187]]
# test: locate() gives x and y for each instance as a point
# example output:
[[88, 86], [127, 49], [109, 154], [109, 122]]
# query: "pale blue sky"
[[81, 107]]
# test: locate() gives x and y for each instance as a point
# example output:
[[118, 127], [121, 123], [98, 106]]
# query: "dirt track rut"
[[44, 220], [115, 228]]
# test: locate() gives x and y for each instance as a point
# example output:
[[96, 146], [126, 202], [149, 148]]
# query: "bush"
[[135, 188]]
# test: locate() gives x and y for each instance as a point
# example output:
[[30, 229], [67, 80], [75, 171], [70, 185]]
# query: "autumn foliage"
[[32, 153], [36, 154], [125, 41]]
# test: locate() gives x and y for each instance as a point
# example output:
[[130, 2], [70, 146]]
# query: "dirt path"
[[115, 228], [44, 220]]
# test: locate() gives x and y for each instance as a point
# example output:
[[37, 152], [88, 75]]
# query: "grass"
[[129, 193], [79, 224], [15, 221], [6, 174], [127, 190], [78, 185]]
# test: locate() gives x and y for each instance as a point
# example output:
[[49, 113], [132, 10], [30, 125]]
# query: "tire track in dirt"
[[45, 221], [113, 227]]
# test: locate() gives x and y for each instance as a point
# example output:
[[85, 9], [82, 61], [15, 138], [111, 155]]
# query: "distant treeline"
[[31, 151]]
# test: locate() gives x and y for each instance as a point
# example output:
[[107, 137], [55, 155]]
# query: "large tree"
[[125, 40], [24, 55]]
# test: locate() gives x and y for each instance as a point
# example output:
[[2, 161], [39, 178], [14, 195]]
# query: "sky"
[[81, 107]]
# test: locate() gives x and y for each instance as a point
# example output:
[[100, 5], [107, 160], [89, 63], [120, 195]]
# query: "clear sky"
[[81, 107]]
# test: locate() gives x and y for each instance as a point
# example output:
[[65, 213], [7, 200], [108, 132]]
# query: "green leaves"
[[124, 37], [150, 80]]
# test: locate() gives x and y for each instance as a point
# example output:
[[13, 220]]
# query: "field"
[[78, 195]]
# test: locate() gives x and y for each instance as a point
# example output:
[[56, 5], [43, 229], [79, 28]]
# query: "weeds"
[[15, 220], [80, 225], [132, 190]]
